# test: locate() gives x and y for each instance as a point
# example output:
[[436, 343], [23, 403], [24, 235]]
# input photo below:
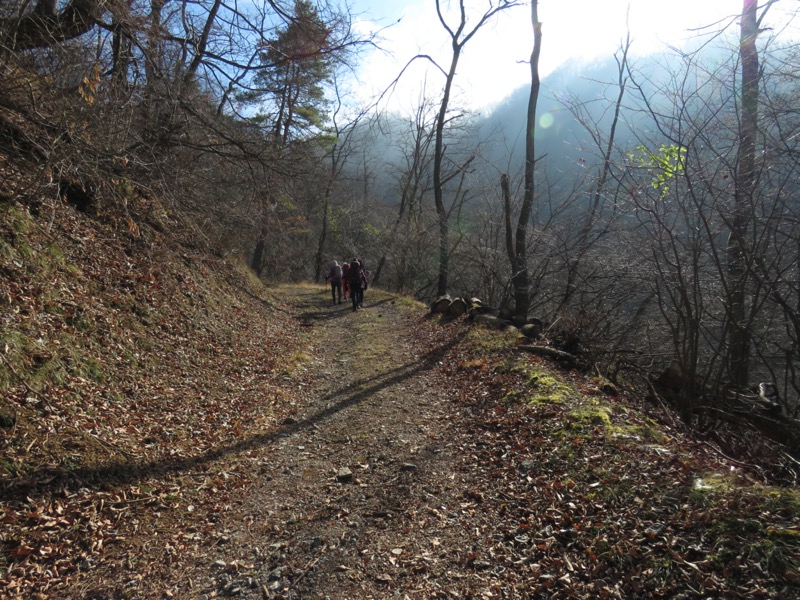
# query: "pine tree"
[[289, 88]]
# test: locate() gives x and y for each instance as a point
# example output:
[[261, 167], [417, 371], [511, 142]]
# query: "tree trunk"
[[154, 63], [506, 190], [326, 207], [438, 186], [738, 331], [257, 262], [323, 234], [520, 278], [202, 43], [376, 277], [121, 54], [44, 27]]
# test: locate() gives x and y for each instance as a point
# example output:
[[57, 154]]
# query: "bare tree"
[[413, 183], [519, 262], [337, 157], [587, 234], [460, 34], [738, 336]]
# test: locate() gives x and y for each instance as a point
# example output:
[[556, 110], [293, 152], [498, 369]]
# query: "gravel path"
[[352, 498]]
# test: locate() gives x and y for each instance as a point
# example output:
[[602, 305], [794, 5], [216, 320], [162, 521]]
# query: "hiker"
[[335, 277], [357, 281], [365, 278], [363, 287], [364, 281], [345, 278]]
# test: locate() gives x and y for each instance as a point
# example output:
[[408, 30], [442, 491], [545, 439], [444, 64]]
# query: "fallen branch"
[[549, 352]]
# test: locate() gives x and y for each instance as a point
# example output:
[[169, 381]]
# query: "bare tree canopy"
[[44, 24]]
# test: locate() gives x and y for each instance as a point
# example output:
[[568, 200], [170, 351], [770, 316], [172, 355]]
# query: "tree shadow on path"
[[327, 311], [48, 480]]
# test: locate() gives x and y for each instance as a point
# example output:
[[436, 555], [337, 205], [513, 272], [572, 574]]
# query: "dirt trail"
[[352, 498]]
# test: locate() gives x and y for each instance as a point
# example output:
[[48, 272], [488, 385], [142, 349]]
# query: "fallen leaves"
[[129, 375]]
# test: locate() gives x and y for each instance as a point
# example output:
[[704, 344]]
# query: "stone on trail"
[[344, 475]]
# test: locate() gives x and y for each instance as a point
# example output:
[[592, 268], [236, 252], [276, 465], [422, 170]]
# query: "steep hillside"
[[126, 355]]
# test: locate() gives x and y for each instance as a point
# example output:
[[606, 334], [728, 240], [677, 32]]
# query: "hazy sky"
[[494, 62]]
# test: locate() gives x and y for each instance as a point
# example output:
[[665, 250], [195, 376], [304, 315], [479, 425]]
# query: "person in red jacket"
[[345, 278]]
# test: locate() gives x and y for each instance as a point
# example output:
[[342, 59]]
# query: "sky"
[[494, 62]]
